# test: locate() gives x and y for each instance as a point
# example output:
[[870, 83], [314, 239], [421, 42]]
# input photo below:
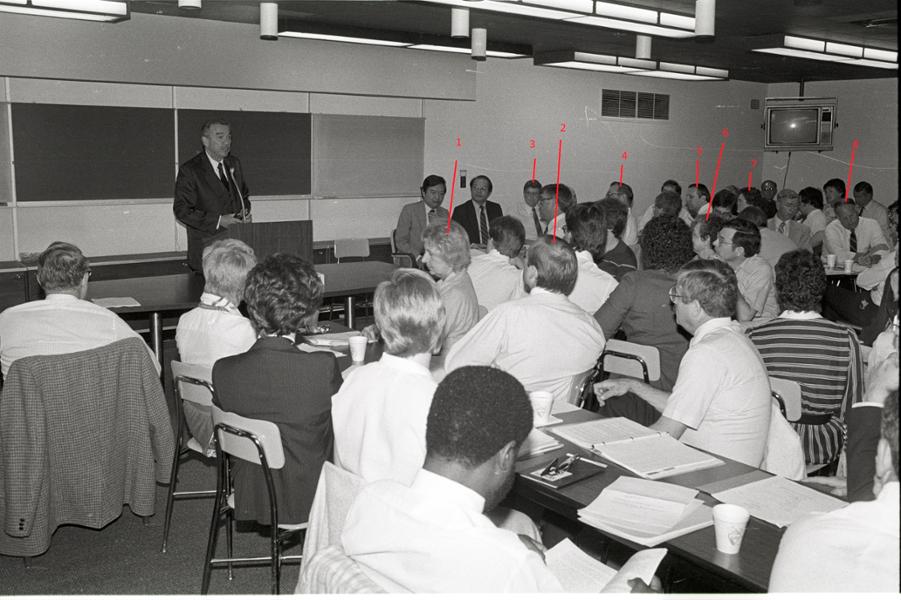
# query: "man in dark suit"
[[210, 192], [475, 214]]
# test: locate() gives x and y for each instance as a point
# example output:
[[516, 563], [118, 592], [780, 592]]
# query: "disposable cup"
[[848, 265], [830, 261], [729, 523], [542, 403], [357, 347]]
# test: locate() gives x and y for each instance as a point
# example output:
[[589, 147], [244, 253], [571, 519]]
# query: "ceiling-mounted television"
[[799, 124]]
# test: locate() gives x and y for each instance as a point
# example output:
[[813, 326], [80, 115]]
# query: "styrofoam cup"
[[357, 347], [830, 261], [849, 264], [729, 523], [542, 403]]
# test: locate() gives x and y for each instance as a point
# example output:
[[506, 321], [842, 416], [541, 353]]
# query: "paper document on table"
[[648, 507], [600, 431], [537, 443], [310, 348], [778, 500], [656, 457], [643, 565], [332, 339], [576, 571], [117, 302]]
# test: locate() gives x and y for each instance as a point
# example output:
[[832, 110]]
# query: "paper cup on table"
[[542, 403], [830, 261], [357, 347], [848, 265], [729, 523]]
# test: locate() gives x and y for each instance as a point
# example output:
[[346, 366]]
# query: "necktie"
[[782, 227], [223, 178], [538, 228], [483, 226], [432, 215], [852, 243]]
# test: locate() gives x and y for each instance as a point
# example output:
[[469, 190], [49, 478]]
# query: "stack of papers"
[[579, 573], [332, 339], [646, 512], [778, 500], [117, 302], [537, 443]]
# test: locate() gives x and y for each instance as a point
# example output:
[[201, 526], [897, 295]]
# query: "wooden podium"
[[294, 237]]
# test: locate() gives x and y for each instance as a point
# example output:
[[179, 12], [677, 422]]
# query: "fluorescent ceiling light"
[[86, 10], [514, 8], [670, 75], [863, 62], [679, 21], [847, 54], [629, 26], [804, 43], [499, 54], [105, 6], [342, 38], [573, 64], [886, 55], [844, 49], [459, 50], [803, 54], [593, 62], [618, 11], [574, 5], [667, 70]]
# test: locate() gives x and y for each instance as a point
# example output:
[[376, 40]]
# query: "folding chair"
[[258, 442], [400, 259], [189, 383], [351, 248], [788, 394], [622, 358]]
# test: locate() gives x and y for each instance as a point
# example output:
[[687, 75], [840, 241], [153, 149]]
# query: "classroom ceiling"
[[740, 26]]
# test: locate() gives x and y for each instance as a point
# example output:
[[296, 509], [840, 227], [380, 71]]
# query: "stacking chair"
[[258, 442], [190, 383], [400, 259], [788, 394], [351, 248], [621, 358]]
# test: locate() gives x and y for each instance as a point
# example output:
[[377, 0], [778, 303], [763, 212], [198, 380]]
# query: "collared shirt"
[[213, 330], [544, 340], [722, 394], [873, 278], [853, 549], [432, 537], [58, 324], [630, 233], [461, 307], [874, 210], [757, 284], [773, 245], [593, 286], [528, 221], [495, 280], [815, 221], [837, 239], [379, 418]]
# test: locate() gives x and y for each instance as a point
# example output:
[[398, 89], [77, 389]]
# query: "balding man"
[[851, 236]]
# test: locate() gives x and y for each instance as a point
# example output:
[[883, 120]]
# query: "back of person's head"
[[812, 196], [889, 428], [556, 265], [226, 263], [671, 185], [409, 313], [800, 281], [588, 228], [726, 201], [837, 184], [747, 236], [752, 196], [616, 215], [432, 181], [863, 186], [532, 184], [622, 192], [475, 412], [451, 245], [708, 229], [565, 196], [754, 215], [61, 267], [667, 204], [712, 283], [508, 235], [282, 292], [665, 244], [703, 191]]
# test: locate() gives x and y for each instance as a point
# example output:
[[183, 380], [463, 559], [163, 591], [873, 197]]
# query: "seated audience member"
[[834, 193], [768, 189], [670, 186], [623, 193], [416, 216], [853, 549], [475, 214], [725, 204], [617, 259], [495, 277], [863, 197], [640, 306], [216, 328], [721, 400], [772, 244], [588, 235], [544, 339], [751, 196], [788, 206], [823, 357], [696, 199], [738, 243], [851, 236], [447, 256], [811, 208], [667, 204], [530, 211], [563, 198], [704, 233], [63, 322], [277, 382], [379, 414]]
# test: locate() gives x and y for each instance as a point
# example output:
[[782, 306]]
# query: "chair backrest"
[[192, 382], [788, 394], [631, 360], [783, 454], [393, 241], [248, 439], [358, 247], [331, 571]]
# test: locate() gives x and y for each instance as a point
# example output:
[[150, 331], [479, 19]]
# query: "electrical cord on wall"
[[787, 163]]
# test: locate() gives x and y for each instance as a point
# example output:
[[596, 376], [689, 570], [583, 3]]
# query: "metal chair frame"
[[599, 372]]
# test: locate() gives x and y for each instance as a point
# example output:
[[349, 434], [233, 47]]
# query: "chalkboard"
[[358, 156], [274, 147], [65, 152]]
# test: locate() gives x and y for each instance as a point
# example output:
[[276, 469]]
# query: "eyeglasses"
[[673, 295]]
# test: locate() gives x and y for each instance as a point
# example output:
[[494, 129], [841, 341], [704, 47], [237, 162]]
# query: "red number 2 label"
[[563, 127]]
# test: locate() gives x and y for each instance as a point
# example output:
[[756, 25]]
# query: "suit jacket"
[[410, 225], [81, 434], [274, 381], [467, 216], [797, 232], [200, 198]]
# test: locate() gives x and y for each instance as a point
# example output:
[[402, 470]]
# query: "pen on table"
[[592, 462]]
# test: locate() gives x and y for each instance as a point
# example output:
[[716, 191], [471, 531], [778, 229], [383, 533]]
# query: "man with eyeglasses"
[[721, 399], [738, 243], [64, 321]]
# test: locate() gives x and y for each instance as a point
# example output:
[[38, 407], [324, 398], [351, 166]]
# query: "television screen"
[[794, 126]]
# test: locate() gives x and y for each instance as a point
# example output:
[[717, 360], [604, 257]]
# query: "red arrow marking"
[[450, 213], [716, 175], [534, 166], [854, 146], [557, 192]]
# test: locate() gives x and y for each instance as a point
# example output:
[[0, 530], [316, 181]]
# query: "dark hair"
[[753, 196], [532, 184], [892, 211], [282, 291], [205, 128], [566, 197], [673, 184], [624, 189], [708, 228], [747, 236], [712, 283], [486, 178], [61, 267], [836, 184], [588, 227], [615, 214], [754, 215], [556, 264], [800, 281], [665, 244], [668, 203], [889, 427], [702, 190], [727, 199], [864, 187], [812, 196], [475, 412], [850, 206], [508, 235], [432, 181]]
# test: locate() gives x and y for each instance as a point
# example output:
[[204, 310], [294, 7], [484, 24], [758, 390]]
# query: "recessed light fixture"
[[571, 59], [110, 11], [668, 70], [343, 38], [847, 54], [464, 50]]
